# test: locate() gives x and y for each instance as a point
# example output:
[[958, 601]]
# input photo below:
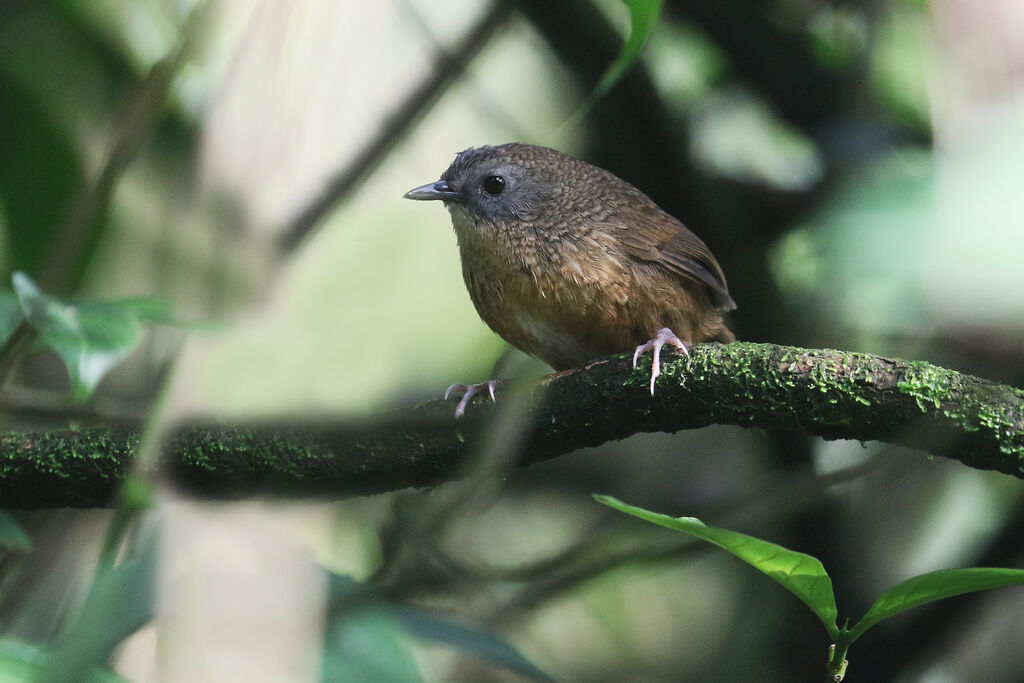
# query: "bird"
[[568, 262]]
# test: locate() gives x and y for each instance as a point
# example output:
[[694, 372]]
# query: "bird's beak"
[[438, 190]]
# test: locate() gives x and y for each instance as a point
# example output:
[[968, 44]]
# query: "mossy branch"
[[833, 394]]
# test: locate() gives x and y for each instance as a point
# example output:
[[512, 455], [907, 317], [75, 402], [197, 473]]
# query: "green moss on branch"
[[833, 394]]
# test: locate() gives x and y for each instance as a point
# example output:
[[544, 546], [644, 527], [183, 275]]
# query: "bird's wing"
[[654, 236]]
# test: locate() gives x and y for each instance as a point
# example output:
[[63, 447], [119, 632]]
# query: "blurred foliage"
[[24, 662], [857, 194], [643, 19], [834, 263], [364, 638], [12, 536], [120, 602], [90, 338]]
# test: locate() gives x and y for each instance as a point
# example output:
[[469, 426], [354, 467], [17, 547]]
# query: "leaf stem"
[[837, 661]]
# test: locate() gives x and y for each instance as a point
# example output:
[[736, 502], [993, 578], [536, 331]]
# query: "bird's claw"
[[664, 336], [469, 391]]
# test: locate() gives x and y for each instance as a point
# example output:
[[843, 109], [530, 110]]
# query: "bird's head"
[[505, 185]]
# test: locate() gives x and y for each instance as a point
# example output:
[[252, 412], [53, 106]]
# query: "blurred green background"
[[855, 167]]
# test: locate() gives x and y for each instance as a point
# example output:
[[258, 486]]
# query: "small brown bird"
[[568, 262]]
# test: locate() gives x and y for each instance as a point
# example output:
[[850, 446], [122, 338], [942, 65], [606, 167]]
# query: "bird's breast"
[[561, 302]]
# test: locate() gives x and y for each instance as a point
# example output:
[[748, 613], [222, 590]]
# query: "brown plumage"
[[568, 262]]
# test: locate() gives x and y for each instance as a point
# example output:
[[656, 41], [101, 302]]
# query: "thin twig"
[[66, 264], [446, 71]]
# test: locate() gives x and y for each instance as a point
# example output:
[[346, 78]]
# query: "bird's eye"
[[494, 185]]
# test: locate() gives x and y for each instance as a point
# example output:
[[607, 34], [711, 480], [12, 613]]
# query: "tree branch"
[[832, 394]]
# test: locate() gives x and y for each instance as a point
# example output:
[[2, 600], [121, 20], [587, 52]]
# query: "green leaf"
[[21, 662], [148, 309], [363, 640], [469, 640], [643, 17], [801, 574], [120, 602], [90, 338], [926, 588], [11, 315], [366, 645], [11, 533]]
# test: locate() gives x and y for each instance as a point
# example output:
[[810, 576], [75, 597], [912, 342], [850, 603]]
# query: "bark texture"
[[832, 394]]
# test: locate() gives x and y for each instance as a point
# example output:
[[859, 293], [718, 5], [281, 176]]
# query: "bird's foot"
[[468, 392], [664, 336]]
